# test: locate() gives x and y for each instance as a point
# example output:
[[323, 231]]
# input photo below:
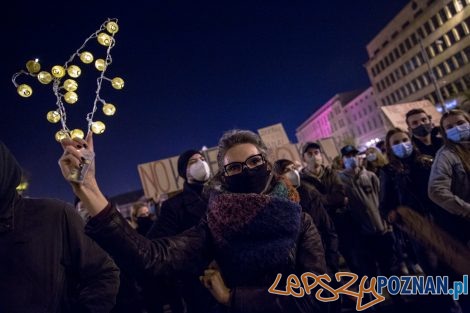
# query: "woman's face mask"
[[294, 177], [403, 150], [459, 133], [372, 157], [252, 180]]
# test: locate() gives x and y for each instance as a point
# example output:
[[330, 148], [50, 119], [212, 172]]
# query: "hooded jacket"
[[47, 263]]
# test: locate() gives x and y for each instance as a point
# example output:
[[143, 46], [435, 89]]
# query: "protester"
[[449, 183], [374, 160], [141, 218], [311, 203], [404, 182], [178, 214], [47, 263], [374, 239], [424, 134], [251, 206]]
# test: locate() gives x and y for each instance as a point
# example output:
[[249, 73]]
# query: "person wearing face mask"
[[374, 160], [323, 178], [311, 203], [178, 214], [449, 183], [374, 240], [424, 134], [252, 230]]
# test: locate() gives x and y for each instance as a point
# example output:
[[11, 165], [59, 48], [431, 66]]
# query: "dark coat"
[[431, 150], [180, 213], [330, 187], [311, 203], [186, 253], [48, 264]]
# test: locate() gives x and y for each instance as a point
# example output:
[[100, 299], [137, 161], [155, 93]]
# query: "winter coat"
[[252, 237], [179, 213], [407, 187], [330, 187], [362, 189], [449, 187], [48, 264], [311, 203], [431, 150]]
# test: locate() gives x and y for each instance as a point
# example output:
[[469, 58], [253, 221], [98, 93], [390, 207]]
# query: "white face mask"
[[199, 171], [294, 177]]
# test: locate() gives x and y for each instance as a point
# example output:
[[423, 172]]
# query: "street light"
[[433, 77]]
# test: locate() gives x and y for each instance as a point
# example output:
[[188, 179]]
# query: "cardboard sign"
[[160, 177], [395, 114], [274, 136]]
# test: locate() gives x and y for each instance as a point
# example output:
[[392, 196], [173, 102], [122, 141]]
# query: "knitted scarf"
[[254, 235]]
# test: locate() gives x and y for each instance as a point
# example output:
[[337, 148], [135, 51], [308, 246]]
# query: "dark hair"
[[279, 167], [393, 160], [414, 112], [464, 155], [236, 137]]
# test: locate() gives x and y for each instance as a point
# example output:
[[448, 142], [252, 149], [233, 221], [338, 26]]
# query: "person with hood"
[[252, 230], [374, 239], [178, 214], [47, 262], [424, 134]]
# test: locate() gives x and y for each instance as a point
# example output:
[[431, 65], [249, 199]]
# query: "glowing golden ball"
[[104, 39], [58, 71], [71, 97], [77, 133], [86, 57], [44, 77], [33, 66], [25, 90], [109, 109], [112, 27], [53, 116], [74, 71], [98, 127], [61, 135], [100, 64], [70, 85], [118, 83]]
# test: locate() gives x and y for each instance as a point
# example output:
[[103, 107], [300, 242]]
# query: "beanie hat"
[[183, 162]]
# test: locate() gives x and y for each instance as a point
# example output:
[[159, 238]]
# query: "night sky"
[[193, 69]]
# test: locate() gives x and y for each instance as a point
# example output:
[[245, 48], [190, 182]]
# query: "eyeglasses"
[[235, 168]]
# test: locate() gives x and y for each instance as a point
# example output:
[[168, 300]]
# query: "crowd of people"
[[401, 208]]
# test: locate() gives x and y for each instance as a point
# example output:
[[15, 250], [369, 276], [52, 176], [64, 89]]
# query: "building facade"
[[349, 118], [397, 65], [364, 119]]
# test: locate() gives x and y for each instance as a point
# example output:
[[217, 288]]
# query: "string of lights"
[[66, 90]]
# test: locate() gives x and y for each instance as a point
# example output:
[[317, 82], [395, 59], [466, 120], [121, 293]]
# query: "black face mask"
[[249, 181], [144, 224], [422, 130]]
